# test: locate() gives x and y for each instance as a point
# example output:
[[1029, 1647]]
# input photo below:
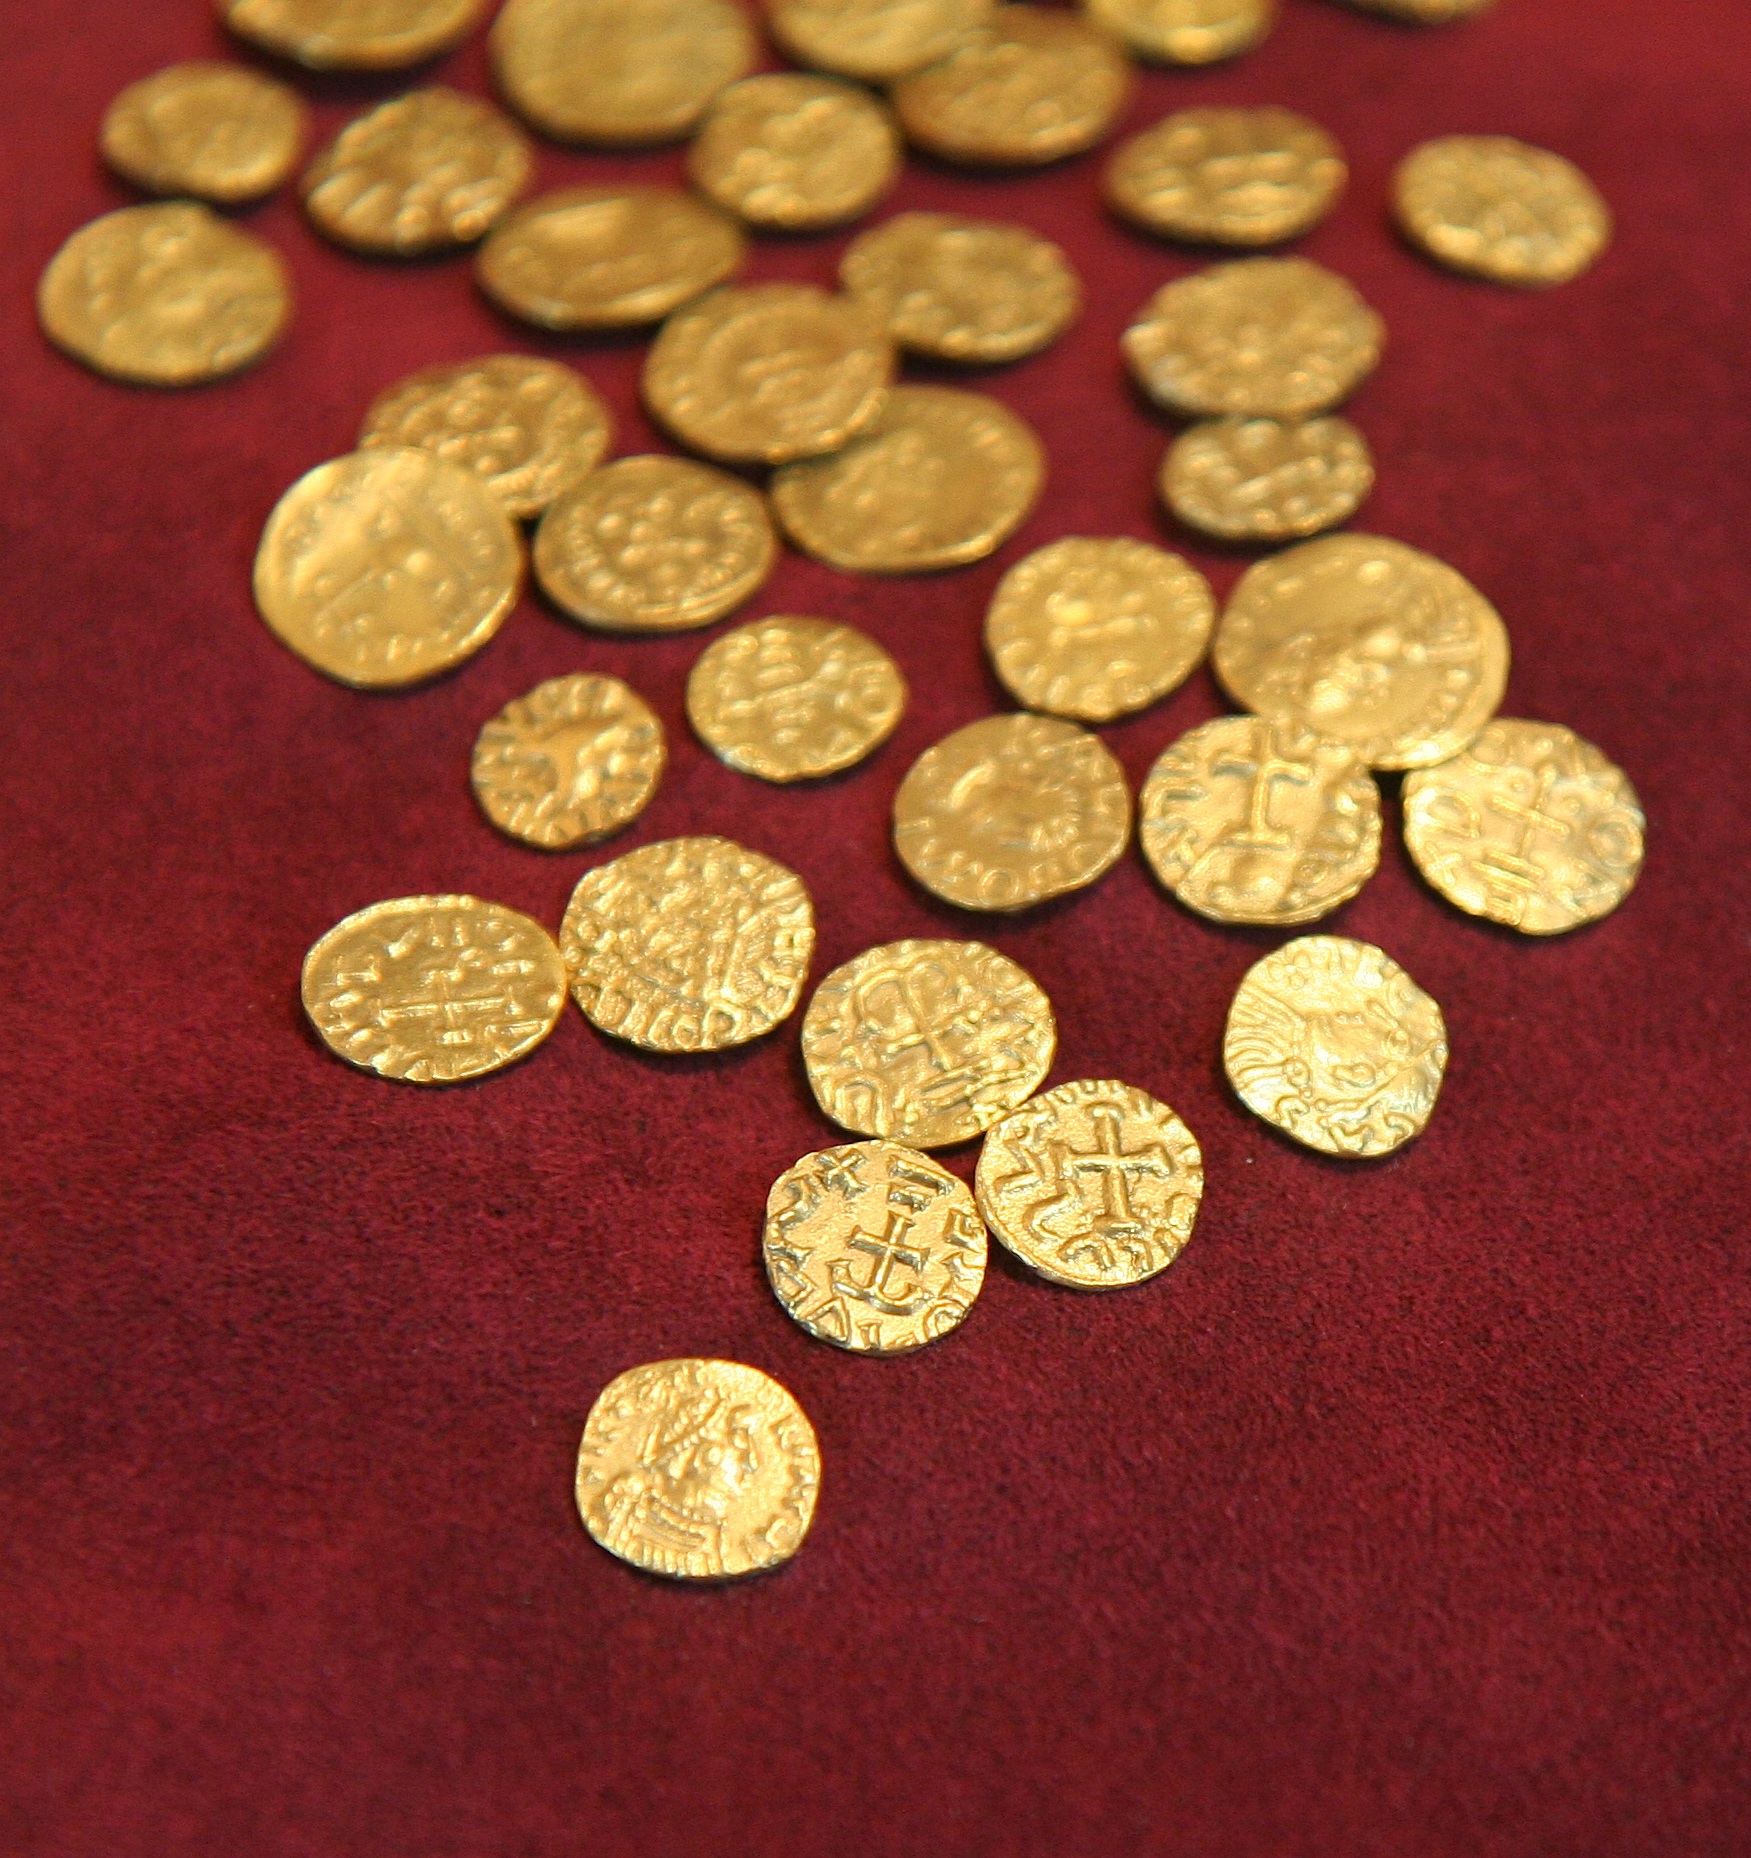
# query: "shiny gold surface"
[[217, 132], [1186, 32], [1267, 480], [876, 40], [352, 35]]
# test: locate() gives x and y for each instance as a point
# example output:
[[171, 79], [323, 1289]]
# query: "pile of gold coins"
[[1346, 654]]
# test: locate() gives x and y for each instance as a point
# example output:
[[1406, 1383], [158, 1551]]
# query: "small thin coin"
[[1095, 1184], [941, 479], [1248, 821], [792, 699], [1267, 480], [1424, 12], [1095, 627], [352, 35], [927, 1043], [1531, 826], [212, 131], [386, 567], [574, 760], [1186, 32], [1332, 1042], [873, 1247], [698, 1469], [434, 990], [875, 40]]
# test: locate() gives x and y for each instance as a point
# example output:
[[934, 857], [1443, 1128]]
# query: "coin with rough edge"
[[434, 990], [386, 567], [1424, 12], [352, 35], [875, 40], [927, 1043], [1094, 1184], [1267, 480], [1186, 32], [873, 1247], [688, 945], [697, 1469], [1094, 627], [1365, 641], [792, 699], [167, 296], [574, 760], [1333, 1043], [1501, 209], [1530, 826], [214, 131]]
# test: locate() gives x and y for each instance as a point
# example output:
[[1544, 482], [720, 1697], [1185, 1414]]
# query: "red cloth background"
[[1407, 1515]]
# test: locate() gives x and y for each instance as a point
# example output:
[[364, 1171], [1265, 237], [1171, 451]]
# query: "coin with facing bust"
[[210, 131]]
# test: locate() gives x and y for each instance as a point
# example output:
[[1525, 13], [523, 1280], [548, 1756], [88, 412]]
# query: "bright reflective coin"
[[1186, 32], [217, 132], [354, 35], [876, 40], [1267, 480]]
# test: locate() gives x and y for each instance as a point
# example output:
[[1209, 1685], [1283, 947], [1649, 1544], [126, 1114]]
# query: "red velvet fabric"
[[1406, 1516]]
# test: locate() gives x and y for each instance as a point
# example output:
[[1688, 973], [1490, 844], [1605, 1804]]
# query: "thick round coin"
[[688, 945], [1424, 12], [1095, 1184], [1333, 1043], [1247, 821], [873, 1247], [876, 40], [166, 296], [1186, 32], [792, 699], [1011, 811], [352, 35], [573, 761], [214, 131], [697, 1469], [385, 567], [1530, 826], [434, 990], [1267, 480], [1368, 642], [1501, 209], [927, 1043], [1094, 627]]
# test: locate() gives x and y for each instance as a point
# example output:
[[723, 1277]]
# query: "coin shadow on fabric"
[[974, 925], [730, 1058], [343, 89], [570, 341]]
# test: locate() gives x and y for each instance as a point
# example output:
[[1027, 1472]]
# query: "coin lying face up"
[[353, 35], [218, 132], [1186, 32], [1267, 480], [875, 40]]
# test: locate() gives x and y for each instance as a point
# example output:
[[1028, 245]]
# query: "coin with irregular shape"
[[1333, 1043], [1365, 641], [1094, 627], [387, 566], [1530, 826], [697, 1469], [1267, 480], [927, 1043], [214, 131], [1501, 209], [688, 945], [875, 40], [1424, 12], [1186, 32], [1095, 1184], [434, 990], [352, 35], [792, 699]]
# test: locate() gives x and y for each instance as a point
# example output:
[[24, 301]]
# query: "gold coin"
[[688, 945], [1095, 1184], [941, 479], [1424, 12], [1530, 826], [1501, 209], [876, 40], [1186, 32], [700, 1470], [1368, 642], [1267, 480], [352, 35], [1094, 627], [1333, 1043], [873, 1247], [573, 761], [385, 567], [792, 699], [217, 132], [956, 289], [434, 990], [927, 1043], [654, 544], [1248, 821], [1010, 811], [167, 296]]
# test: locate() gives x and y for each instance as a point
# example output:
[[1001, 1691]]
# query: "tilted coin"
[[214, 131], [352, 35], [1333, 1043], [1267, 480], [434, 990], [1186, 32], [1530, 826], [876, 40], [1365, 641], [1424, 12]]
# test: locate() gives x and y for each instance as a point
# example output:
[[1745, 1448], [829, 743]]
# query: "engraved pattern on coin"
[[1267, 480], [1186, 32], [875, 40], [352, 35], [216, 131]]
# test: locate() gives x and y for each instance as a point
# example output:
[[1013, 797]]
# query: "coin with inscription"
[[352, 35], [875, 40], [698, 1469], [1186, 32], [1267, 480], [1333, 1043], [1094, 627], [927, 1043], [1095, 1184], [1530, 826], [214, 131], [1424, 12], [1367, 642], [434, 990]]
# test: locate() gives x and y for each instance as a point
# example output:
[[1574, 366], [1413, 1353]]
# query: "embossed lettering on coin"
[[216, 131], [876, 40], [1267, 480], [1186, 32], [354, 35]]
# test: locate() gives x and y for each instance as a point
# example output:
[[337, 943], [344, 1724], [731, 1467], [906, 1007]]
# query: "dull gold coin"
[[1368, 642], [698, 1469], [1186, 32], [1267, 480], [214, 131], [387, 566], [1529, 826], [434, 990], [1423, 12], [792, 699], [352, 35], [1094, 627], [927, 1043], [875, 40]]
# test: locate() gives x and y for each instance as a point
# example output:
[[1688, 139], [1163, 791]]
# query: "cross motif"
[[1263, 773], [1115, 1168], [885, 1253]]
